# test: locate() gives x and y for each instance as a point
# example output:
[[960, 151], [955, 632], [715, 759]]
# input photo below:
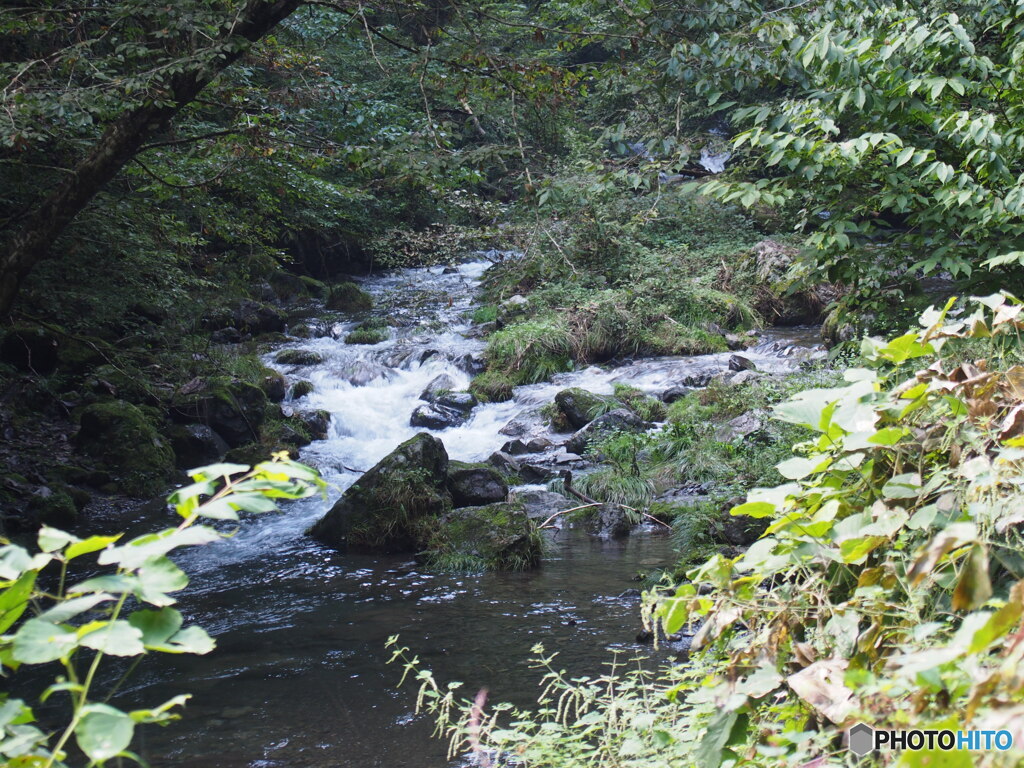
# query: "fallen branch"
[[565, 512]]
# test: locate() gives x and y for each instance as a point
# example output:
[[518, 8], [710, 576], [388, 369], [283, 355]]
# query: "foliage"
[[889, 571], [125, 611]]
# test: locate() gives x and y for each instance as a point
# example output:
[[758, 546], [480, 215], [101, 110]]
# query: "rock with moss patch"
[[492, 537], [274, 386], [474, 484], [54, 507], [119, 435], [317, 423], [349, 297], [581, 407], [301, 389], [431, 416], [233, 409], [609, 521], [393, 507], [620, 420], [367, 336], [492, 387], [298, 357]]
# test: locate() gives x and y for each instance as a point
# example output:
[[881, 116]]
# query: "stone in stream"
[[235, 410], [431, 416], [359, 373], [496, 536], [619, 419], [439, 385], [317, 423], [541, 505], [393, 507], [580, 406], [609, 521], [741, 363], [475, 484]]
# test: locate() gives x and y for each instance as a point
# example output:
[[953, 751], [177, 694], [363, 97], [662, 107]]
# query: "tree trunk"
[[118, 144]]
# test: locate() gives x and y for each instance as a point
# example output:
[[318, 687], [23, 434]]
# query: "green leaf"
[[104, 732], [756, 509], [38, 641], [157, 627], [52, 539], [14, 599], [68, 609], [114, 638], [89, 545], [154, 545], [158, 577], [14, 561]]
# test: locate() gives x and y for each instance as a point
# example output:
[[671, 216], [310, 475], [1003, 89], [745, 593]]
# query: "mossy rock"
[[394, 506], [122, 439], [492, 387], [349, 297], [301, 389], [492, 537], [367, 336], [475, 484], [274, 386], [581, 407], [643, 405], [234, 409], [298, 357], [54, 507]]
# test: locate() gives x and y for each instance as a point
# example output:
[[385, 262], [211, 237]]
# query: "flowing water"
[[299, 677]]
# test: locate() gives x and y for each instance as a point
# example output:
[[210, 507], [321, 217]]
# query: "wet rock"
[[567, 458], [741, 363], [196, 445], [301, 389], [359, 373], [349, 297], [439, 385], [515, 448], [609, 521], [735, 378], [541, 505], [122, 439], [504, 462], [579, 406], [736, 342], [675, 393], [256, 317], [30, 349], [741, 426], [274, 386], [514, 301], [619, 419], [317, 423], [389, 508], [233, 409], [536, 473], [298, 357], [471, 364], [431, 416], [515, 428], [538, 445], [475, 484], [493, 537], [700, 379]]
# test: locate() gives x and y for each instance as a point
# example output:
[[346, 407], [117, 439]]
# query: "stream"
[[299, 675]]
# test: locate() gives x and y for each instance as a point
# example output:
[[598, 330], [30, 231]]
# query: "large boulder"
[[120, 437], [196, 445], [475, 484], [235, 410], [543, 505], [393, 507], [493, 537], [620, 419], [580, 407]]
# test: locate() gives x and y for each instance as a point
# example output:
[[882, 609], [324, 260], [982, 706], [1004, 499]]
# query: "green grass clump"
[[643, 405], [492, 387], [488, 313], [531, 351], [367, 336]]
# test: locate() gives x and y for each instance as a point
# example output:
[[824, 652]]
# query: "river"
[[299, 677]]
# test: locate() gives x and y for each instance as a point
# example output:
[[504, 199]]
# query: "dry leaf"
[[821, 686]]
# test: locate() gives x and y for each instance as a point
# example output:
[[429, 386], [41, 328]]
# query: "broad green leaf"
[[68, 609], [114, 638], [753, 509], [906, 486], [38, 641], [89, 545], [14, 561], [154, 545], [104, 732], [52, 539], [14, 600], [157, 627], [158, 577]]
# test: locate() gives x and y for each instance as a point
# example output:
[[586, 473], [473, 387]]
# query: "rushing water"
[[299, 677]]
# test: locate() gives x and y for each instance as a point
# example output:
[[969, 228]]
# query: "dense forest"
[[654, 366]]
